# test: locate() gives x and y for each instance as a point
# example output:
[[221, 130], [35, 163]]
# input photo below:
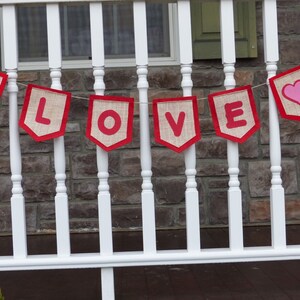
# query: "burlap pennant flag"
[[286, 90], [3, 80], [234, 113], [176, 122], [110, 121], [45, 112]]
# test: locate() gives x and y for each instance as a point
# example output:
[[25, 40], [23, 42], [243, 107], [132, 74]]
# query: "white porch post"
[[104, 199], [11, 64], [235, 217], [141, 53], [191, 193], [277, 192], [61, 198]]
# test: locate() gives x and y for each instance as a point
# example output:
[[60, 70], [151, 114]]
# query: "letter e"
[[233, 110]]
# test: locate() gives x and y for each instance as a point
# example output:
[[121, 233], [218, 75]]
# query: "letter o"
[[101, 122]]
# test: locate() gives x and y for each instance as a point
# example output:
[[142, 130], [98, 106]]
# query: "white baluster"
[[61, 198], [17, 200], [104, 199], [235, 217], [277, 191], [191, 193], [141, 53]]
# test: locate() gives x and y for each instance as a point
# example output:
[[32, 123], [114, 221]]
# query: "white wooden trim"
[[17, 200], [185, 32], [235, 216], [141, 53], [191, 193], [97, 36], [270, 31], [54, 36], [138, 258], [10, 37], [140, 33], [277, 197], [61, 198], [109, 63], [104, 197]]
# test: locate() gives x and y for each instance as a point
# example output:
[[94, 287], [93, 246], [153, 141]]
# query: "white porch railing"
[[107, 259]]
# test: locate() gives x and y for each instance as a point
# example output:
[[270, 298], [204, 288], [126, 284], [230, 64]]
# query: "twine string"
[[137, 102]]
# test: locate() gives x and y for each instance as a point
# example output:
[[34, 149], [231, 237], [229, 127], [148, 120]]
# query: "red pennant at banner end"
[[176, 122], [286, 90], [234, 113], [45, 112], [3, 80], [110, 121]]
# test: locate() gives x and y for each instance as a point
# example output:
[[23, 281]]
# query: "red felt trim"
[[157, 135], [3, 82], [276, 95], [128, 138], [216, 123], [45, 137]]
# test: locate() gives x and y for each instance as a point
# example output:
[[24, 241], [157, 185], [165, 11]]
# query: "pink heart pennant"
[[292, 92]]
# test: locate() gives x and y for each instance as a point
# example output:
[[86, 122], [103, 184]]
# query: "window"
[[75, 34], [119, 33]]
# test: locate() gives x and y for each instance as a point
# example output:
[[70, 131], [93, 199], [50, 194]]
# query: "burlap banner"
[[3, 79], [110, 121], [234, 113], [286, 91], [176, 122], [45, 112]]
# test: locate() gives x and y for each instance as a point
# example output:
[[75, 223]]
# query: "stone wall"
[[168, 167]]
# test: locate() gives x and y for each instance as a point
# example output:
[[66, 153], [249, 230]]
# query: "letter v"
[[176, 127], [39, 115]]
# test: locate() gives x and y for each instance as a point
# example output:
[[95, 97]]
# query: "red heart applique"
[[292, 92]]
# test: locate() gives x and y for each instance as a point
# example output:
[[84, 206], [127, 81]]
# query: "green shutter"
[[206, 29]]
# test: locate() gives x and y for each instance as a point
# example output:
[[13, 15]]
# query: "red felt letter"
[[40, 111], [101, 122], [176, 127], [234, 110]]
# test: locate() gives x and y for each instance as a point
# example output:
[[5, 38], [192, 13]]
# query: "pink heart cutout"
[[292, 92]]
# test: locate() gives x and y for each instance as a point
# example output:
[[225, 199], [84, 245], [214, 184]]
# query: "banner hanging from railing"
[[176, 122], [45, 112], [286, 91], [110, 121]]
